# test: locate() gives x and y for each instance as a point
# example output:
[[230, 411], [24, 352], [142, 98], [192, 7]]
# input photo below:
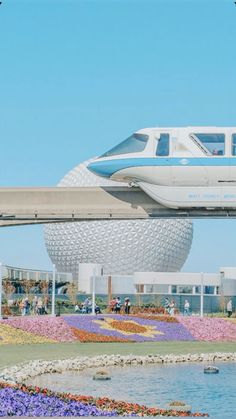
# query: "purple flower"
[[19, 403], [168, 331]]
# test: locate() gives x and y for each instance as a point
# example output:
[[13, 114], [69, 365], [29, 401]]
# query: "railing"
[[212, 305]]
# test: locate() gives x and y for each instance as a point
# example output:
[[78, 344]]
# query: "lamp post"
[[201, 297], [0, 291], [53, 289], [93, 291]]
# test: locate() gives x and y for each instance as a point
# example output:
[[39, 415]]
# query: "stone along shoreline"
[[19, 373]]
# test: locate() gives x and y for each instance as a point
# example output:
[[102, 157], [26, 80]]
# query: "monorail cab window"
[[234, 145], [163, 145], [211, 144], [134, 144]]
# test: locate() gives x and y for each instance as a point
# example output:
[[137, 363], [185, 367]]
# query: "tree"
[[44, 286], [28, 284], [8, 288], [72, 292], [222, 303]]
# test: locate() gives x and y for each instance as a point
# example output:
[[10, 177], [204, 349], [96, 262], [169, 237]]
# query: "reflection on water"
[[156, 385]]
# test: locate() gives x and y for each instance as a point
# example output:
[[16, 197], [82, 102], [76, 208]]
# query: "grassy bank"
[[14, 354]]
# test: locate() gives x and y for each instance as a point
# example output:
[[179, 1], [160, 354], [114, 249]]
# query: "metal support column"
[[93, 291], [0, 291], [201, 296], [53, 289], [109, 289]]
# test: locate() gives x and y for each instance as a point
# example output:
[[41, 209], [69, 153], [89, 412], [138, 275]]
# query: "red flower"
[[84, 336]]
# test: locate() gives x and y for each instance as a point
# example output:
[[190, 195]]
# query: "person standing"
[[117, 305], [90, 306], [40, 306], [186, 308], [35, 304], [26, 306], [172, 308], [229, 308], [86, 305], [112, 304], [22, 307], [127, 306], [166, 306]]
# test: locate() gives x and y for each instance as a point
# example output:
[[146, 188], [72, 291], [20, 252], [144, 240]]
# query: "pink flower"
[[209, 329], [52, 327]]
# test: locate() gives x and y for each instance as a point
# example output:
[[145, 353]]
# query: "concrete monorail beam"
[[39, 205]]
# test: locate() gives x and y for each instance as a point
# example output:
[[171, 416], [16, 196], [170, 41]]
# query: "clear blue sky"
[[76, 77]]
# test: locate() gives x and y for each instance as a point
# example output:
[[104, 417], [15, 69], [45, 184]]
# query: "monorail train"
[[178, 167]]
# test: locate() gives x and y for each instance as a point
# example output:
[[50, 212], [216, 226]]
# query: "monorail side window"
[[214, 144], [234, 145], [133, 144], [163, 145]]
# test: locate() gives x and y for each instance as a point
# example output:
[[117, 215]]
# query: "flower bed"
[[148, 310], [84, 336], [11, 335], [17, 402], [127, 326], [209, 329], [115, 328], [50, 327], [22, 400], [135, 329], [160, 318]]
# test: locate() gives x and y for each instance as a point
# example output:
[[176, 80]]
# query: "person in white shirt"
[[186, 308], [229, 308], [172, 308]]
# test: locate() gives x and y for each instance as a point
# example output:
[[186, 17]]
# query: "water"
[[156, 385]]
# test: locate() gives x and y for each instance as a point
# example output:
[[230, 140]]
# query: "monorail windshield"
[[134, 144], [214, 144]]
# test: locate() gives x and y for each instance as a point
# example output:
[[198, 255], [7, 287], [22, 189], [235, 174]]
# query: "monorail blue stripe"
[[109, 167]]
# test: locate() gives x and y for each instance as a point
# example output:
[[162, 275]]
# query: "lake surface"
[[156, 385]]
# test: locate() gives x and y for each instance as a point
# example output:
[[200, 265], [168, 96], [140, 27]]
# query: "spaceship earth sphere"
[[122, 247]]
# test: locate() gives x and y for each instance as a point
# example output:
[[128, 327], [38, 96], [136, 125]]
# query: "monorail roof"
[[188, 129]]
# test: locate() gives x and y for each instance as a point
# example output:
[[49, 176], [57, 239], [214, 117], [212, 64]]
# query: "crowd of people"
[[116, 305], [170, 307], [36, 306], [86, 307], [40, 306]]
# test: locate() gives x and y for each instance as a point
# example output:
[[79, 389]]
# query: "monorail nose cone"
[[100, 168]]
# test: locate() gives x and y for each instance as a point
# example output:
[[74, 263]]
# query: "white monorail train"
[[178, 167]]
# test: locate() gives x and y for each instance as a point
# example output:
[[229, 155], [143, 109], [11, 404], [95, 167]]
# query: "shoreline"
[[19, 373]]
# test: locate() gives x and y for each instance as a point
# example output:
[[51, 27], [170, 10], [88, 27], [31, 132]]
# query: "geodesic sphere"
[[122, 247]]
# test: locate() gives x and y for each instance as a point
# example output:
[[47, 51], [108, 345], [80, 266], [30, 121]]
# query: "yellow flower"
[[11, 335]]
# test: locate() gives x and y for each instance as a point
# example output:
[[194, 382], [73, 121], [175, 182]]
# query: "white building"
[[172, 283]]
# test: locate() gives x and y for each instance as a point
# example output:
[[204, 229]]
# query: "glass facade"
[[156, 289], [177, 289], [185, 289], [17, 274]]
